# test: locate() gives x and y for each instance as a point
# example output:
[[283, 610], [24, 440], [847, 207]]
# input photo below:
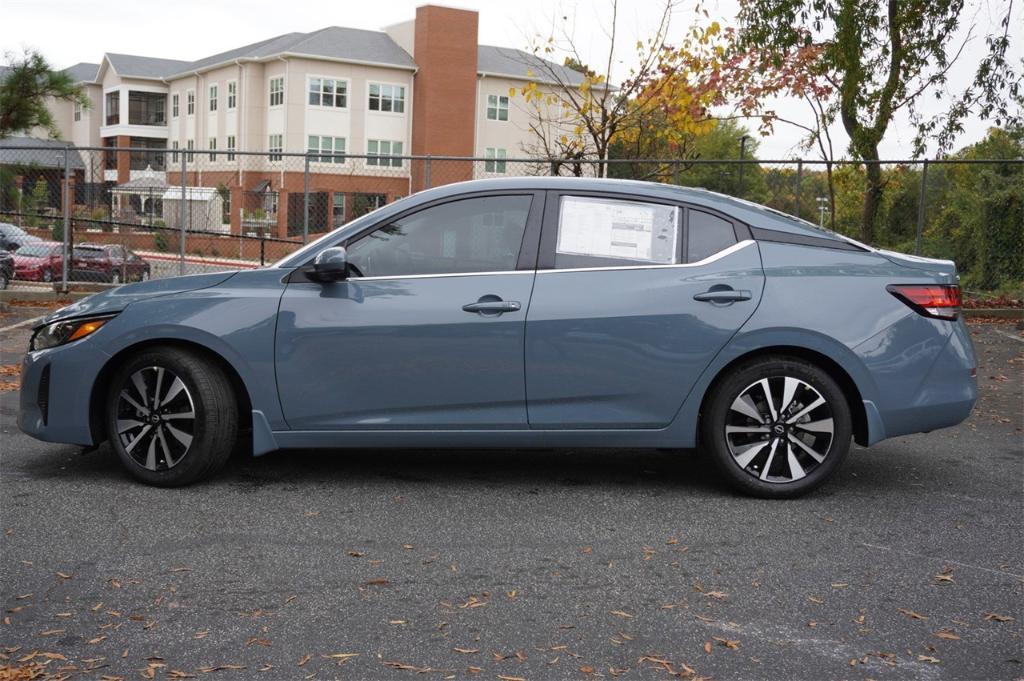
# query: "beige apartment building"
[[423, 87]]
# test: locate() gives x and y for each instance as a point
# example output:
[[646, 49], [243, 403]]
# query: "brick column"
[[282, 214], [124, 160], [444, 89], [237, 197]]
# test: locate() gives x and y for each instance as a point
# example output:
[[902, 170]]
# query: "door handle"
[[492, 307], [722, 295]]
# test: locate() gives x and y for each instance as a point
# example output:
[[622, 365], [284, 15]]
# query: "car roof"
[[95, 247], [746, 211]]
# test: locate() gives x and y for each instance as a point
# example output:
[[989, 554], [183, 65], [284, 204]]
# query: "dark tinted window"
[[93, 253], [471, 235], [707, 234], [600, 232]]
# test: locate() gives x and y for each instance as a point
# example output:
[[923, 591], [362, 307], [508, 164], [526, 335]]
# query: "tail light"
[[940, 301]]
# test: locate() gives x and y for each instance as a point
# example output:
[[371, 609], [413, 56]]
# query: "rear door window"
[[603, 232]]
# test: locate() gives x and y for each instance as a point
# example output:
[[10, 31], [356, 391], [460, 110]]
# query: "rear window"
[[90, 253]]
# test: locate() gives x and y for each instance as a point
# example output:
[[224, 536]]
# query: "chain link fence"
[[95, 216]]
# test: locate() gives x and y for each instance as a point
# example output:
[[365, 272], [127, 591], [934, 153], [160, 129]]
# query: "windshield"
[[36, 250], [7, 229]]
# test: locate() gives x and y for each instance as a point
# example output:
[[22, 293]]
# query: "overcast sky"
[[71, 31]]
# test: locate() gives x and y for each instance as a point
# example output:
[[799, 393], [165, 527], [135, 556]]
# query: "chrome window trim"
[[438, 276], [710, 259]]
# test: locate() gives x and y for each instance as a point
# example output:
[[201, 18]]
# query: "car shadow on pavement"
[[534, 470]]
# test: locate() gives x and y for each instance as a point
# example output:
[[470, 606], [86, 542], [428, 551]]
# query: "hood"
[[946, 267], [116, 299]]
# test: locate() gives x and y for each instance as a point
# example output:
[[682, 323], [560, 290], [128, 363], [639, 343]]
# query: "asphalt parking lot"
[[521, 565]]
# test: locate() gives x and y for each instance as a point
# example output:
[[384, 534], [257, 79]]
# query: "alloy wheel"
[[779, 429], [156, 418]]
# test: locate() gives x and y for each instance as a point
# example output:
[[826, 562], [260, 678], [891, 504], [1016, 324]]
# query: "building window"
[[213, 147], [275, 146], [231, 142], [387, 98], [495, 162], [190, 145], [190, 102], [113, 108], [276, 91], [78, 111], [376, 148], [328, 92], [213, 98], [326, 149], [147, 108], [232, 94], [174, 105], [174, 151], [497, 108], [337, 209]]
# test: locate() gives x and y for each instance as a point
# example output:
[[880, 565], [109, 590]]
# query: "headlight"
[[65, 331]]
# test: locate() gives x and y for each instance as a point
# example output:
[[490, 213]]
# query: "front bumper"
[[56, 391]]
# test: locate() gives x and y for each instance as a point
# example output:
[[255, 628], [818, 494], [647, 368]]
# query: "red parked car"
[[38, 261], [107, 262]]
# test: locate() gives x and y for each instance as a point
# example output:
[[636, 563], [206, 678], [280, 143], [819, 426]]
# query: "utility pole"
[[743, 148]]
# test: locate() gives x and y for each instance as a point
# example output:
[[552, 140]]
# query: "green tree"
[[978, 217], [26, 89], [879, 57]]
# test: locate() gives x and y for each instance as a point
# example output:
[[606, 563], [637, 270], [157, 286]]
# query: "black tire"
[[785, 477], [5, 280], [205, 391], [47, 275], [115, 277]]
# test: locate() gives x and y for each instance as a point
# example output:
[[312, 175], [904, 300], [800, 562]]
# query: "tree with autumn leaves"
[[859, 63], [655, 109]]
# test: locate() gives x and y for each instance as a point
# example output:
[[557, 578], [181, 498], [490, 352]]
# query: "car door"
[[633, 298], [427, 332]]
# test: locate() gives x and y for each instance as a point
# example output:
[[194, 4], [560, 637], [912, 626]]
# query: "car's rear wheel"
[[777, 427], [47, 275], [172, 417], [115, 277], [5, 280]]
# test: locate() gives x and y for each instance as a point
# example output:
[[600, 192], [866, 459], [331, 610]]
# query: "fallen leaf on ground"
[[996, 617], [620, 613], [946, 634], [911, 614]]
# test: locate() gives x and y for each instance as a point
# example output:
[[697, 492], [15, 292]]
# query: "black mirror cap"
[[331, 264]]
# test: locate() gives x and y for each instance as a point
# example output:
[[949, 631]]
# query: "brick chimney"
[[444, 91]]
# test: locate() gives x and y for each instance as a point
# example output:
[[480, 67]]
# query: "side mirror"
[[331, 264]]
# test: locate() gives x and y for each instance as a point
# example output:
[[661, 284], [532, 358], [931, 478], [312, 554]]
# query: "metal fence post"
[[182, 207], [799, 181], [305, 201], [920, 208], [675, 172], [426, 174], [66, 209]]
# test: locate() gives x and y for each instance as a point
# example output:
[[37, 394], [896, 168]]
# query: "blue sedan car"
[[530, 312]]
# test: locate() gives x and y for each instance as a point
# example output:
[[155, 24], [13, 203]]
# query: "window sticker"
[[627, 230]]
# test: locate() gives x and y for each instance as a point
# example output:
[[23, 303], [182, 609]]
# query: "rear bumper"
[[56, 387], [945, 395]]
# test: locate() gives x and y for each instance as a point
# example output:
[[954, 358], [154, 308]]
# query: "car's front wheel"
[[777, 427], [172, 417]]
